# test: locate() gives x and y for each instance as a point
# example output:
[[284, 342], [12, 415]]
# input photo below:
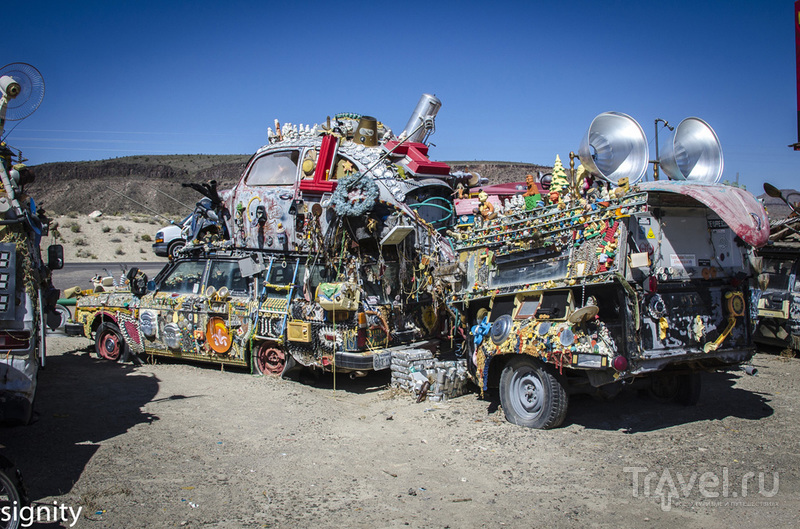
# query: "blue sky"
[[519, 81]]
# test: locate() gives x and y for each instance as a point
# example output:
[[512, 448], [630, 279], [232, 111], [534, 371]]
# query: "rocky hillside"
[[154, 182]]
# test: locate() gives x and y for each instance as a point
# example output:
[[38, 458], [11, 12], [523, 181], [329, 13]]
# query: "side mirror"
[[55, 257]]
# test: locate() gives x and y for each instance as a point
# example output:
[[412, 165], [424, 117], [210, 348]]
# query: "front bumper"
[[161, 249], [73, 329]]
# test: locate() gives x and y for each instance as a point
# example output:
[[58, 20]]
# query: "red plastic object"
[[320, 183], [418, 163]]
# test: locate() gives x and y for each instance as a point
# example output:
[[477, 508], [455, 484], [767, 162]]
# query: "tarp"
[[740, 210]]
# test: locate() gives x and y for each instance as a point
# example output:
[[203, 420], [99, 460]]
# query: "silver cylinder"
[[427, 107]]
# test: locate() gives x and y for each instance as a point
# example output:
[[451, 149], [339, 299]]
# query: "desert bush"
[[75, 227], [105, 229], [122, 229], [85, 253], [80, 241], [119, 251], [146, 238]]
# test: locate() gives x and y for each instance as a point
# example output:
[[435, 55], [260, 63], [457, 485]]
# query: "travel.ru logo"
[[670, 485]]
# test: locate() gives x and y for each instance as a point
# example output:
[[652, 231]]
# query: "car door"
[[263, 199], [225, 322], [169, 315]]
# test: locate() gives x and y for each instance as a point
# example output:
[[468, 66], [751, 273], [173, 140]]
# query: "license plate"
[[381, 361]]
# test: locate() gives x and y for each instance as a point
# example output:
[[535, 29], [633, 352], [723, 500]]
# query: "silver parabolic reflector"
[[692, 152], [615, 147]]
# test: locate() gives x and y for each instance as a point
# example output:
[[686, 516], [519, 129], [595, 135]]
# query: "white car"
[[169, 239]]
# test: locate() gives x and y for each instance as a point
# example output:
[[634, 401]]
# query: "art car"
[[600, 281], [325, 259], [26, 292]]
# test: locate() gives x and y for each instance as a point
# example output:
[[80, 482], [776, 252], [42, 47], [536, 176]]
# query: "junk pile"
[[416, 371]]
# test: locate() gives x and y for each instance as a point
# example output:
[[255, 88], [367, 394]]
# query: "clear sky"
[[519, 81]]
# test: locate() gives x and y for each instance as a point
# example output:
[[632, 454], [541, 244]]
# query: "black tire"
[[531, 395], [174, 246], [12, 493], [108, 342]]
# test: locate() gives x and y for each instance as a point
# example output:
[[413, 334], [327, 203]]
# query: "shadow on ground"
[[635, 411], [80, 401]]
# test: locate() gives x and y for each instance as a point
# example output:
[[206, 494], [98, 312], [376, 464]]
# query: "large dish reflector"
[[615, 147], [692, 152]]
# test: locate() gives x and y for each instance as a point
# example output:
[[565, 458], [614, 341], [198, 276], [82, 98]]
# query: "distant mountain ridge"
[[155, 181], [82, 187]]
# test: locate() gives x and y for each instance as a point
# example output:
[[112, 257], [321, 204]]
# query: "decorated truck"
[[25, 287], [592, 281], [322, 255]]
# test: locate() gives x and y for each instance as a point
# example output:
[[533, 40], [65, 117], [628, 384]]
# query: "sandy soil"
[[106, 238], [177, 445]]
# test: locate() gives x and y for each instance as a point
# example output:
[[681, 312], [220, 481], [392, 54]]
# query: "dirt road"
[[175, 445]]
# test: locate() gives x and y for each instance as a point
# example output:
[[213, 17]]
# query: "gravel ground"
[[177, 445]]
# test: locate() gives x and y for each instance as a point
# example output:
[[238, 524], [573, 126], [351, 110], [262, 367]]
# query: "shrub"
[[146, 238], [105, 229], [75, 227], [122, 229], [119, 251], [80, 241]]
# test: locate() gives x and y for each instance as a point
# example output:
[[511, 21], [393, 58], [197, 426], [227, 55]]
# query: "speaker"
[[692, 152], [615, 147]]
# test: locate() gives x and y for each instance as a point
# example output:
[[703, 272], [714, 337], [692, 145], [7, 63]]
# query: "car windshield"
[[227, 274], [185, 278], [777, 272], [277, 168]]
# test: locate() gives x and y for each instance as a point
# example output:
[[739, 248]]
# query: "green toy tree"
[[559, 184]]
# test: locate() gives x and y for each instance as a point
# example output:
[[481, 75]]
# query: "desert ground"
[[178, 445], [107, 237]]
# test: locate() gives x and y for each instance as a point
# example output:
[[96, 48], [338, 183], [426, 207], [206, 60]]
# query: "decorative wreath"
[[355, 195]]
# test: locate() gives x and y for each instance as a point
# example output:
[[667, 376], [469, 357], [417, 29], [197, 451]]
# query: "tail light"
[[15, 340], [620, 363], [361, 336]]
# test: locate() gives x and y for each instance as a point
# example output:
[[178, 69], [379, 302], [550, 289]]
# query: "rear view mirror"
[[55, 257]]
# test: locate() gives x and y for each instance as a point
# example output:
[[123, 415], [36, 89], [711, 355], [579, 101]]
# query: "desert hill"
[[155, 181]]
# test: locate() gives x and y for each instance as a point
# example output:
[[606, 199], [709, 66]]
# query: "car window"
[[185, 278], [277, 168], [381, 282], [777, 272], [227, 274]]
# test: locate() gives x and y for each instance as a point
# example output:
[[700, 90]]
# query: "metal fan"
[[31, 90]]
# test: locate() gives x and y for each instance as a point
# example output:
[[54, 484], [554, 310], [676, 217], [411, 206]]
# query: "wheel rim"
[[9, 497], [270, 361], [109, 345], [527, 394]]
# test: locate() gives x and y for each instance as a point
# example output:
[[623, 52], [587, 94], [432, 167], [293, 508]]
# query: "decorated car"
[[323, 257], [594, 281]]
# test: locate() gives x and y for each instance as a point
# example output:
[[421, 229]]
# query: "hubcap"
[[270, 360], [109, 346], [527, 393]]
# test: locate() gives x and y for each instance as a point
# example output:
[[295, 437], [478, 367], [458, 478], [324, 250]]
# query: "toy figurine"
[[485, 209]]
